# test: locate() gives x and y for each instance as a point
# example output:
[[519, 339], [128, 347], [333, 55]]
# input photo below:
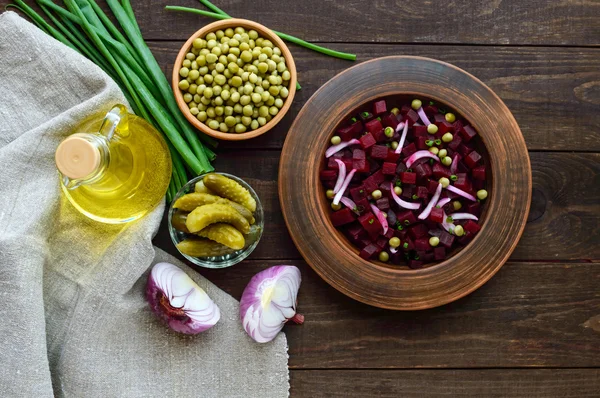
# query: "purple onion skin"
[[178, 322]]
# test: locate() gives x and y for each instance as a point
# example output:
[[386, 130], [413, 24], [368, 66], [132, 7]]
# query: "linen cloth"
[[73, 318]]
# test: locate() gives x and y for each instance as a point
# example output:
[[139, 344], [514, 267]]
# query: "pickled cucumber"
[[201, 188], [192, 200], [197, 247], [178, 221], [203, 216], [230, 189], [224, 234]]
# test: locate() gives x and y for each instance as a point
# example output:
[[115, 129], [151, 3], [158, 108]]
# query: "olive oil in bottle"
[[116, 168]]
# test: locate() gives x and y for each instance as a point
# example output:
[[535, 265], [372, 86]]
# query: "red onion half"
[[402, 203], [269, 301], [420, 155], [178, 300], [336, 148]]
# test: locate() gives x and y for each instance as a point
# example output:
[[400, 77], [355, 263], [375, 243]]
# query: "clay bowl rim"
[[494, 201], [263, 32]]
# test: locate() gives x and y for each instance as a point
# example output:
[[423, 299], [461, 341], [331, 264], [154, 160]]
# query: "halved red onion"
[[454, 165], [269, 301], [464, 216], [340, 193], [349, 204], [432, 202], [420, 155], [400, 126], [423, 116], [382, 220], [402, 203], [393, 251], [341, 175], [336, 148], [460, 192], [446, 225], [402, 139], [443, 202]]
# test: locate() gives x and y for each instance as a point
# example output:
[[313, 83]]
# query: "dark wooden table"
[[534, 329]]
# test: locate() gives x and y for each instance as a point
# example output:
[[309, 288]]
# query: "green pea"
[[270, 101], [261, 120], [273, 110], [184, 84], [267, 43], [256, 98], [224, 48], [197, 98], [220, 79], [234, 52], [190, 56], [444, 181], [187, 97], [216, 50], [228, 111], [284, 92], [238, 108], [265, 84], [247, 111], [246, 120], [194, 111], [272, 65], [442, 153], [267, 51], [265, 95], [263, 111], [194, 65], [193, 89], [448, 137], [258, 89], [234, 43], [248, 89], [211, 36], [205, 101], [240, 128], [192, 105], [274, 90], [254, 113], [230, 121], [278, 103], [219, 110], [259, 41], [229, 32], [447, 161], [193, 74], [204, 51], [211, 58], [235, 96], [416, 104], [225, 95], [202, 116], [335, 140], [202, 107], [213, 124], [244, 46], [203, 70], [276, 50], [254, 125], [210, 44], [482, 194], [246, 56], [211, 112], [232, 67], [245, 100], [256, 52], [219, 68], [236, 81], [384, 257], [208, 93], [218, 100], [286, 75], [183, 72], [394, 242], [434, 241], [197, 43]]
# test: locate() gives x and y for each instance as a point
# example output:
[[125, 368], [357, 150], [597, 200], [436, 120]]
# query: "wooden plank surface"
[[489, 383], [563, 222], [554, 93], [528, 315], [507, 22]]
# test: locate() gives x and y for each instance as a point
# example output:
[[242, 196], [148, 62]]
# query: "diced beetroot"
[[373, 126], [389, 168], [367, 141], [328, 175], [474, 208], [432, 186], [420, 142], [364, 116], [479, 172], [390, 120], [407, 244], [423, 170], [361, 165], [405, 109], [430, 110], [462, 182], [396, 258], [370, 224], [385, 189], [341, 217], [401, 234], [445, 127], [362, 205], [380, 136], [370, 185], [392, 157], [358, 193], [406, 218], [379, 152], [409, 149], [400, 168], [440, 171], [351, 131], [333, 165], [462, 167], [375, 165], [467, 133], [422, 244], [411, 117], [364, 243], [420, 131], [472, 159], [438, 118], [383, 204], [439, 253], [426, 257], [408, 177], [355, 231], [418, 230], [381, 242], [378, 177], [436, 215], [455, 143], [471, 227], [358, 154], [369, 251], [415, 264], [379, 107], [464, 149], [478, 184], [446, 239], [389, 234], [407, 191], [458, 125], [422, 192], [465, 239]]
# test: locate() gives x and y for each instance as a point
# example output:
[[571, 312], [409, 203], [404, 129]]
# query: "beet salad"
[[406, 184]]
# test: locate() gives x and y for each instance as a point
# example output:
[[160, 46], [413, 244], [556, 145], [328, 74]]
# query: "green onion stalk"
[[87, 29]]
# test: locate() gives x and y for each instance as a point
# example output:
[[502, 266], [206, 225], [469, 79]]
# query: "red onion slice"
[[402, 138], [460, 192], [454, 165], [449, 227], [340, 193], [400, 126], [382, 220], [443, 202], [393, 251], [419, 155], [336, 148], [432, 202], [402, 203], [341, 175], [423, 116], [464, 216], [349, 204]]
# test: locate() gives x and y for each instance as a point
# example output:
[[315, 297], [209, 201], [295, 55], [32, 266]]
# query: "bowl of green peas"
[[234, 79]]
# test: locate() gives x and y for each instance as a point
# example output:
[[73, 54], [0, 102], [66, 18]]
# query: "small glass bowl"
[[226, 260]]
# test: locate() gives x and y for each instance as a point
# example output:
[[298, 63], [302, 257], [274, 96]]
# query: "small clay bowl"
[[263, 32]]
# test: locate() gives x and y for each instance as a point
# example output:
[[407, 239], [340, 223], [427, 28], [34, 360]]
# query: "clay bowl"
[[263, 32], [306, 210]]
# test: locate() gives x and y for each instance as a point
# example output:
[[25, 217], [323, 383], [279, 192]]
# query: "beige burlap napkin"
[[73, 319]]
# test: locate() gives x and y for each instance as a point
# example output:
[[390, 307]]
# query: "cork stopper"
[[76, 157]]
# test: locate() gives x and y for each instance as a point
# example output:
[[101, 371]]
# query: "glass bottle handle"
[[117, 117]]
